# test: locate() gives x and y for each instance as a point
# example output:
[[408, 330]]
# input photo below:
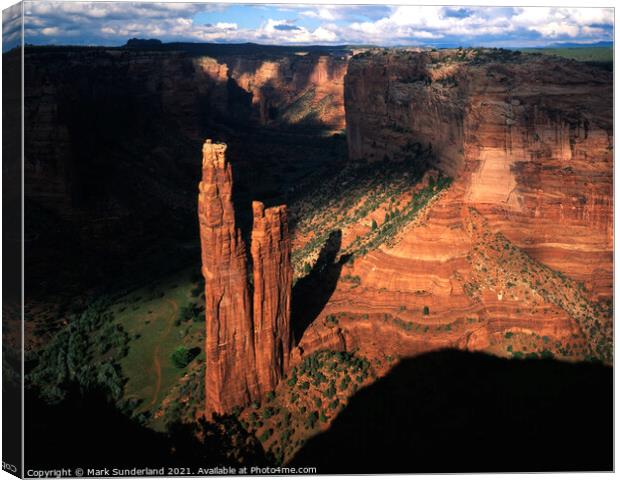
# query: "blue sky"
[[112, 23]]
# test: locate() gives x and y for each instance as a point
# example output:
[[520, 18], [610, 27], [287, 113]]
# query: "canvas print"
[[306, 239]]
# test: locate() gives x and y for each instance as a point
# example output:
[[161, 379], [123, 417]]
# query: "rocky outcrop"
[[229, 346], [247, 345], [273, 280]]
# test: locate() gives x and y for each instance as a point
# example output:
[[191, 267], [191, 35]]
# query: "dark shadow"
[[454, 411], [239, 103], [86, 430], [312, 292]]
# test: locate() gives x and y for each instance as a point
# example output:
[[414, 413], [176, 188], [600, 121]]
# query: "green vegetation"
[[182, 356], [583, 54], [314, 392], [537, 280], [85, 353], [169, 318], [352, 193], [398, 219]]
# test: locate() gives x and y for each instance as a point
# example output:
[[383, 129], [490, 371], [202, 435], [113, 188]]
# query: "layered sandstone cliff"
[[516, 257], [133, 105], [529, 137], [291, 89], [247, 344]]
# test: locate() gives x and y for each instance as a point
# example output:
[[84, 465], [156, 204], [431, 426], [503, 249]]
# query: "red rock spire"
[[246, 349], [273, 280], [229, 344]]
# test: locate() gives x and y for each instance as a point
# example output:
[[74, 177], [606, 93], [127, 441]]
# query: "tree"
[[374, 225], [426, 310], [181, 357]]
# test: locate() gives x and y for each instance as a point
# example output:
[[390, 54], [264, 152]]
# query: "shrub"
[[181, 357], [331, 390], [312, 419], [266, 435], [426, 310]]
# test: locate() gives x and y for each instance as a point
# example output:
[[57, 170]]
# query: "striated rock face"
[[528, 137], [290, 89], [229, 346], [273, 280], [515, 258], [247, 346]]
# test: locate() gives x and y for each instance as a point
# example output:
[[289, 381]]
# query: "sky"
[[113, 23]]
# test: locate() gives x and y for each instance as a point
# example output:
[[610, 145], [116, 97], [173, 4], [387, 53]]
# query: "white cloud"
[[226, 26], [434, 22], [557, 22], [50, 31], [376, 24]]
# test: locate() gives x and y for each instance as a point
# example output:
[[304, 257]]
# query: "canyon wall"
[[247, 344], [295, 89], [142, 107], [515, 257], [528, 137], [129, 104], [112, 133]]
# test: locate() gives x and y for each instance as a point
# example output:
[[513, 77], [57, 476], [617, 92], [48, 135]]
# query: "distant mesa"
[[143, 43]]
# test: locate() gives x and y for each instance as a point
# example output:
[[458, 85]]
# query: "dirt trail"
[[156, 359]]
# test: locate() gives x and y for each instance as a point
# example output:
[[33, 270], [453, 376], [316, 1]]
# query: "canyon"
[[358, 209], [145, 94]]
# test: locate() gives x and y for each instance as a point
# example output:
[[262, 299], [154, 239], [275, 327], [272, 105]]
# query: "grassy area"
[[583, 54], [157, 322]]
